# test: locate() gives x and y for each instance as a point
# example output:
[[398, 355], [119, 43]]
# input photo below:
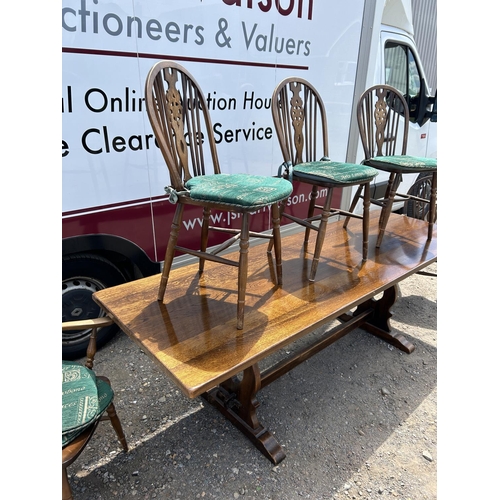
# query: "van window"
[[401, 72]]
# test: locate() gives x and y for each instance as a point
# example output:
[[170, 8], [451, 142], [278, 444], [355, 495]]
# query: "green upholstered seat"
[[254, 191], [332, 171], [84, 399], [403, 163]]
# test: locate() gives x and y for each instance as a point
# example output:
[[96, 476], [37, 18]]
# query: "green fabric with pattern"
[[244, 190], [403, 163], [338, 172], [84, 399]]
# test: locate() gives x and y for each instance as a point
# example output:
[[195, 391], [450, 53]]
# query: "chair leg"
[[170, 252], [320, 238], [432, 205], [281, 206], [387, 195], [276, 239], [353, 204], [387, 208], [366, 219], [117, 426], [204, 236], [310, 213], [242, 270], [67, 494]]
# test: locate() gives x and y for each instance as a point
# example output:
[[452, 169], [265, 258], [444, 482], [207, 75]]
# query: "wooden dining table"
[[192, 333]]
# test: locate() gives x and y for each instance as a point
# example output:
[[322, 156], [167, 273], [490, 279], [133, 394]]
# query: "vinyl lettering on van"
[[92, 22], [284, 7]]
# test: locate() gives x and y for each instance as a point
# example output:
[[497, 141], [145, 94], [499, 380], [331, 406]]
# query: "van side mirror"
[[427, 107], [433, 113]]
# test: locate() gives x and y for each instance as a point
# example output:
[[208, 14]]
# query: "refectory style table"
[[192, 335]]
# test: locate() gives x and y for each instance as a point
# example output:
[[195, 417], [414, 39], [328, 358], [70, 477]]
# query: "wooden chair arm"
[[94, 324], [86, 323]]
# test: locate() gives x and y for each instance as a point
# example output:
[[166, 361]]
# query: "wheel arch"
[[132, 261]]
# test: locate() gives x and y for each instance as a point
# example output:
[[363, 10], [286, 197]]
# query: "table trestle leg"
[[378, 323], [238, 403]]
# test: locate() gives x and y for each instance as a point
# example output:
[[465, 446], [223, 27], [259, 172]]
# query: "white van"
[[116, 216]]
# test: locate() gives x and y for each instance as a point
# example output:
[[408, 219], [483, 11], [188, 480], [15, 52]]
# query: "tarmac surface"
[[357, 421]]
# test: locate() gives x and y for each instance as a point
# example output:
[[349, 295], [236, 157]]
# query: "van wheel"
[[422, 189], [82, 275]]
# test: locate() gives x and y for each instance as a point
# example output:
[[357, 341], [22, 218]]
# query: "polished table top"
[[193, 335]]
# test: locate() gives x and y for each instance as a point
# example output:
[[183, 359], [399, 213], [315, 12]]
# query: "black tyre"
[[82, 275], [422, 189]]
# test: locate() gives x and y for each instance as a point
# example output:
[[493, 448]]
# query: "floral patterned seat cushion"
[[403, 163], [84, 399], [335, 172], [242, 190]]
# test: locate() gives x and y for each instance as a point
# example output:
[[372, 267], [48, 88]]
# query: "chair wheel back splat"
[[181, 123], [383, 122], [300, 120]]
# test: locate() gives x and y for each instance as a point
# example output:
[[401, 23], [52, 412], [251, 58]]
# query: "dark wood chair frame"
[[383, 121], [178, 116], [301, 126], [73, 450]]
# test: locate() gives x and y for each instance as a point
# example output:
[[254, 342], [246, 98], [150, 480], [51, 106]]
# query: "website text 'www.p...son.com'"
[[227, 217]]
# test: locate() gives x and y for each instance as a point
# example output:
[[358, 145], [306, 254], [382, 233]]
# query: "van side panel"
[[238, 52]]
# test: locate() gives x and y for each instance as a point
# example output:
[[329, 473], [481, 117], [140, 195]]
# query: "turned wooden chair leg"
[[117, 426], [170, 252], [432, 205], [282, 206], [387, 195], [320, 238], [66, 488], [204, 236], [276, 239], [243, 270], [310, 213], [366, 219], [353, 204], [387, 208]]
